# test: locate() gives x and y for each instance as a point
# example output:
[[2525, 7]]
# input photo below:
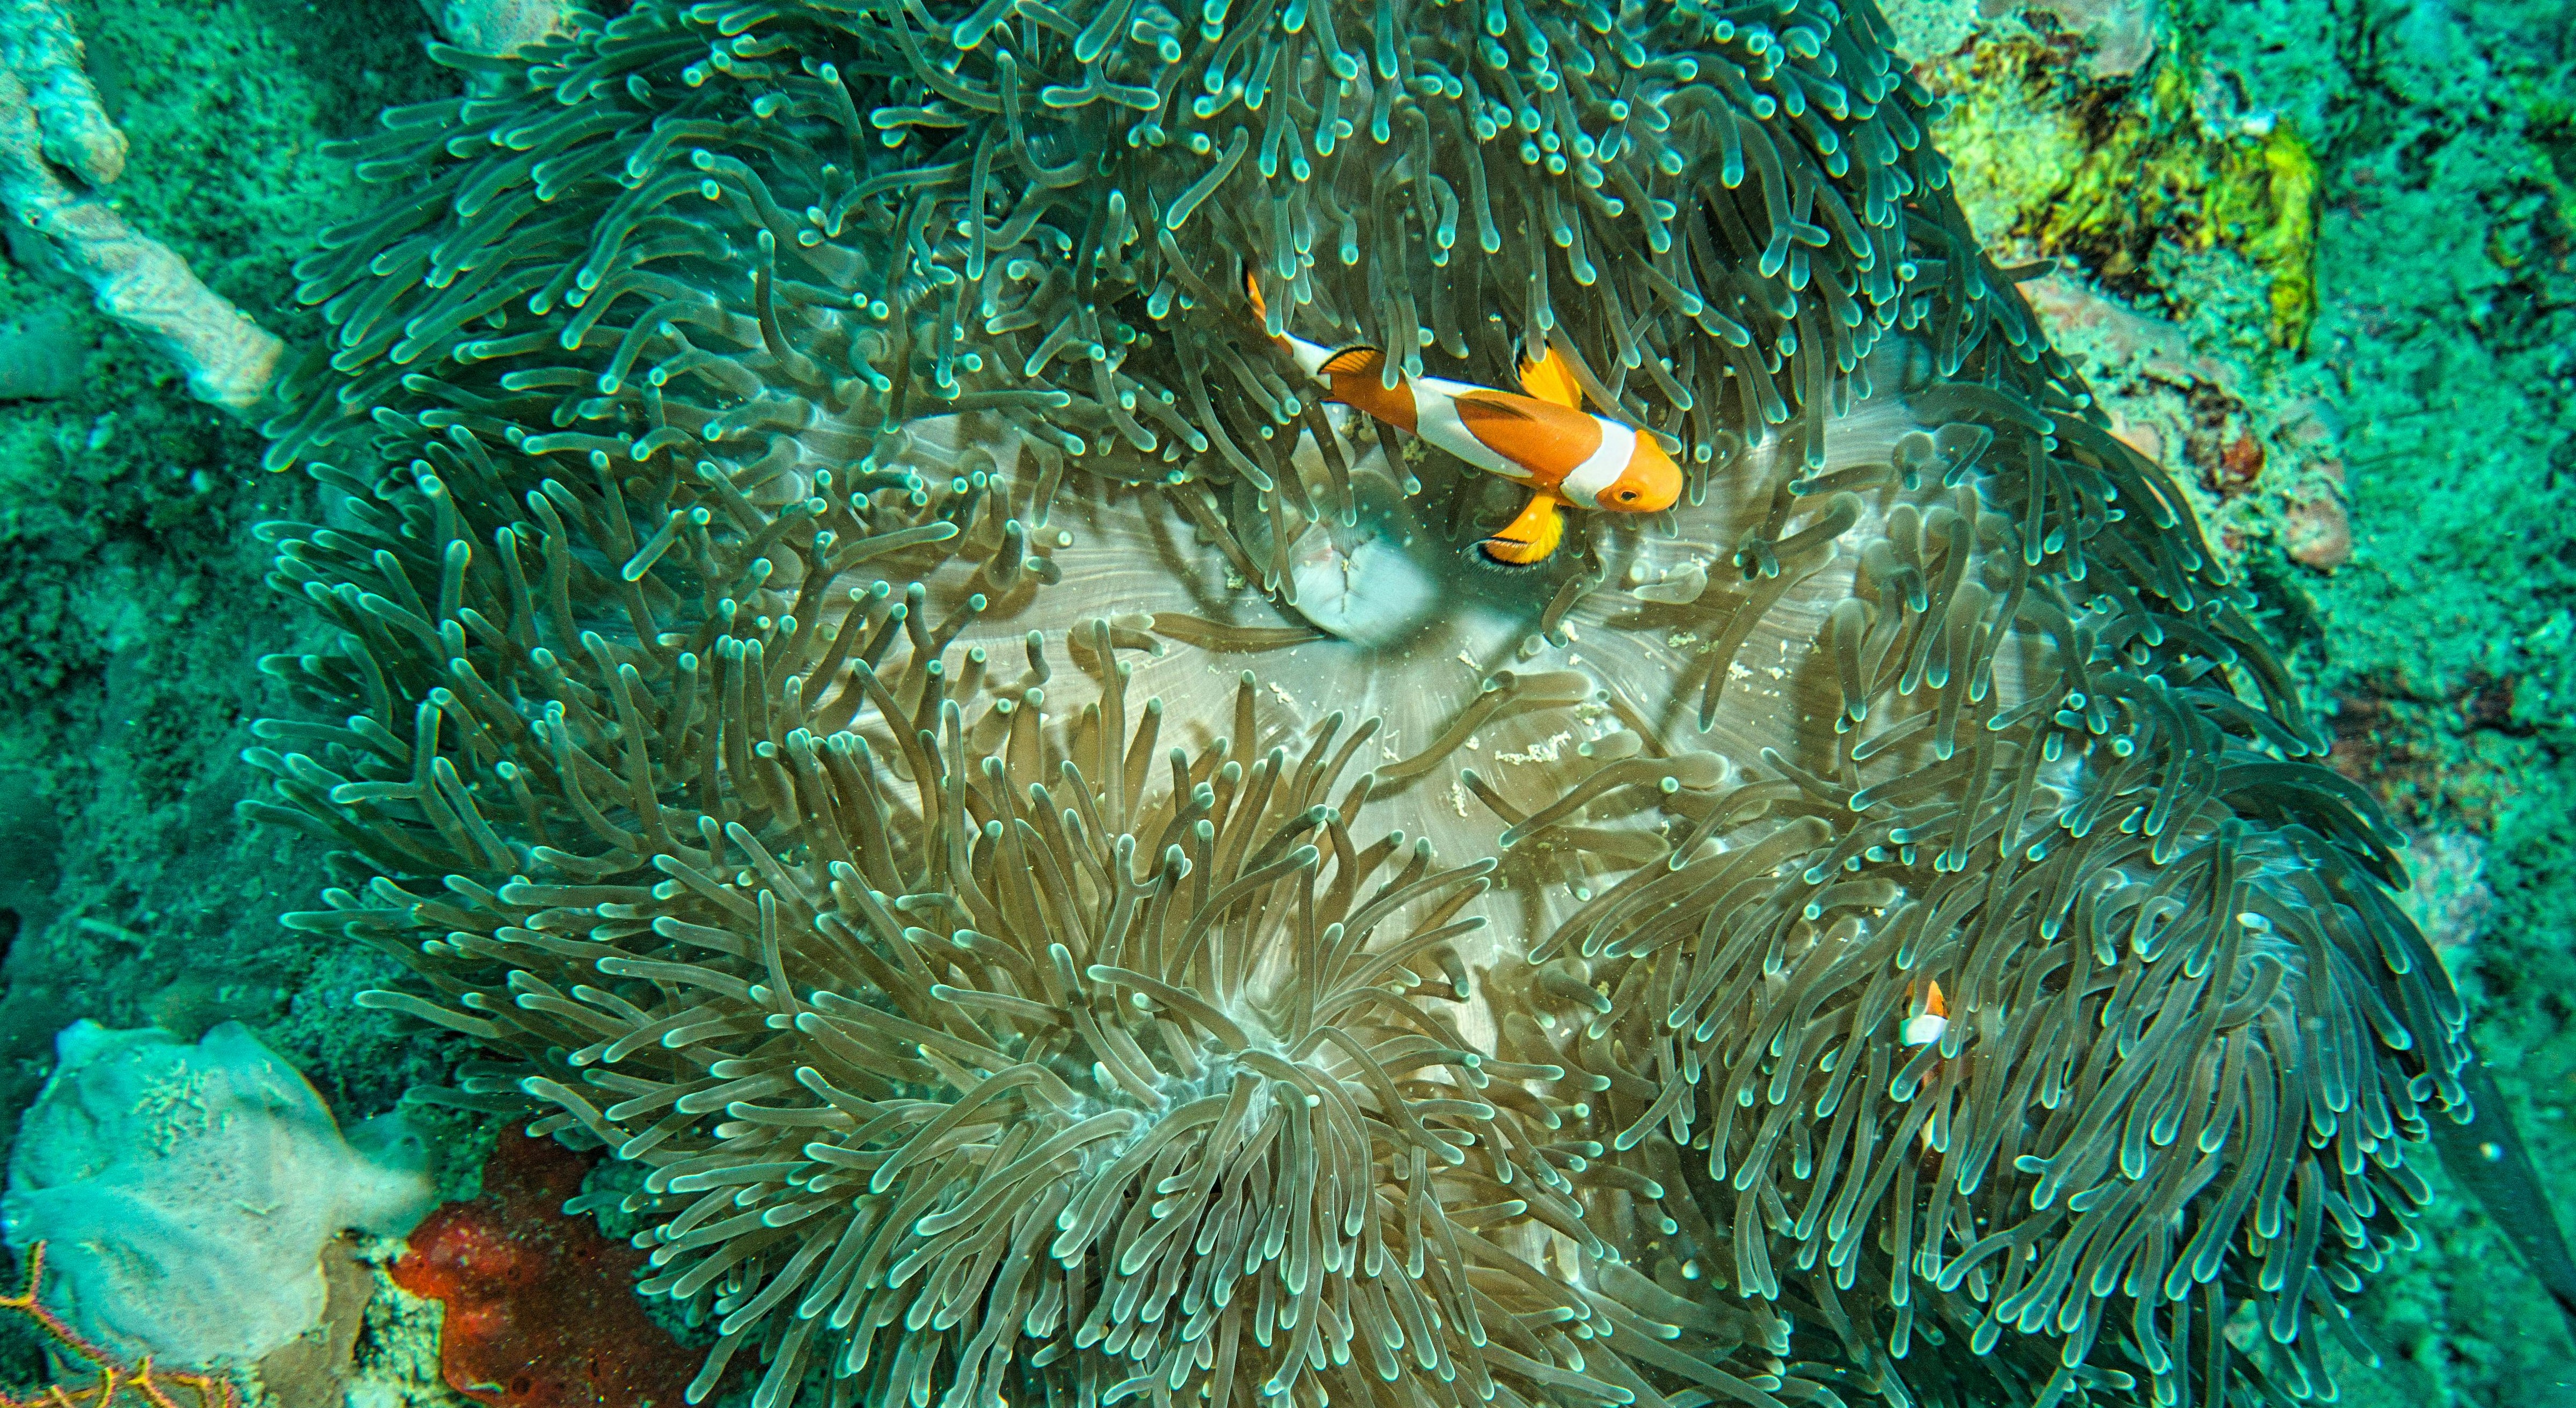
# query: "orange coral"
[[113, 1376]]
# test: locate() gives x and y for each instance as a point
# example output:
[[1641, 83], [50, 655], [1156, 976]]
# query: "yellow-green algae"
[[2101, 172]]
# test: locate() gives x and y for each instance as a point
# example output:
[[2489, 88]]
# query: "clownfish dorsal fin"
[[1357, 359], [1531, 536], [1550, 378], [1252, 290]]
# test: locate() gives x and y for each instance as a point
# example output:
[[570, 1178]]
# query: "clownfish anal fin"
[[1550, 378], [1531, 537], [1356, 360]]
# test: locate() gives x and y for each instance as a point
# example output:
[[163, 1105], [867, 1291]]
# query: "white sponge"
[[185, 1193]]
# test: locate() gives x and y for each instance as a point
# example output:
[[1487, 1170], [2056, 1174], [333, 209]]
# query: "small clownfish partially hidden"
[[1928, 1022], [1923, 1029], [1543, 439]]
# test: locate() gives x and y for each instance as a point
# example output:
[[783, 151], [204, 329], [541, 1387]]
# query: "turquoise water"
[[2314, 264]]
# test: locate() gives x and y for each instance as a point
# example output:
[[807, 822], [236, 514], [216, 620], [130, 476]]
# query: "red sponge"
[[541, 1309]]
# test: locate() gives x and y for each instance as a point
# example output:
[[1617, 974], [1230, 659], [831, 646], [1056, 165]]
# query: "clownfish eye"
[[1627, 496]]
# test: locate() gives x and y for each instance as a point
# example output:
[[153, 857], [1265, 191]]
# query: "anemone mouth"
[[1386, 574]]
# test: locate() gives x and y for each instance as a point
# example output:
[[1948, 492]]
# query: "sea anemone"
[[1193, 929]]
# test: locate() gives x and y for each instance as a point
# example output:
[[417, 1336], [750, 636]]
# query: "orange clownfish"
[[1543, 439]]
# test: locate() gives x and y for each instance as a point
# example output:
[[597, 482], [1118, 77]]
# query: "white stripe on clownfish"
[[1542, 439]]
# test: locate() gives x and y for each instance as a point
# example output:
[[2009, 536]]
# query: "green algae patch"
[[2284, 225], [2012, 139], [2103, 173], [2161, 170]]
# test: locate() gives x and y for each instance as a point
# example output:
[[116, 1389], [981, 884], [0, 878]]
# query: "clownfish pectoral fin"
[[1358, 359], [1531, 536], [1551, 378]]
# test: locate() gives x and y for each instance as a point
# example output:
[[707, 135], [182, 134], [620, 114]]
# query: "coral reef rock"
[[2317, 532], [186, 1193], [2121, 33], [49, 117], [499, 26], [39, 47]]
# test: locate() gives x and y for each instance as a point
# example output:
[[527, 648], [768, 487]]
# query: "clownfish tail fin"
[[1531, 537]]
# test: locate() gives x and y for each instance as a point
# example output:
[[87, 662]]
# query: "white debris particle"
[[1546, 750], [1468, 660], [1735, 670], [1775, 672], [1458, 795], [1282, 694], [1475, 741]]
